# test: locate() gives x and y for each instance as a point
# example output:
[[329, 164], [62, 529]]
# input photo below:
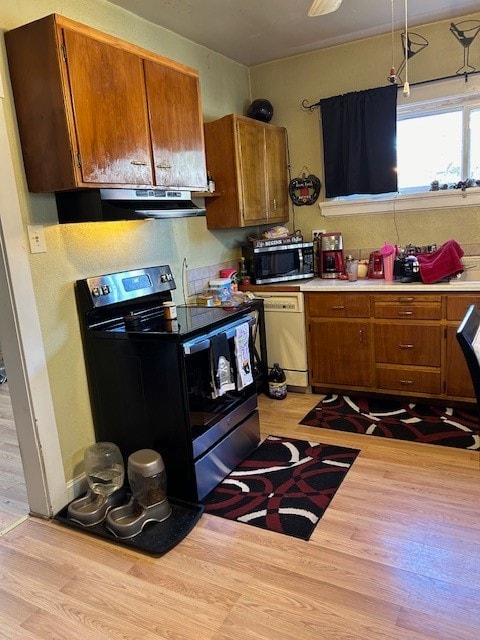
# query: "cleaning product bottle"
[[277, 385]]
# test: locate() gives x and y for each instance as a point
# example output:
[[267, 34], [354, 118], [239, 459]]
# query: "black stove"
[[151, 380]]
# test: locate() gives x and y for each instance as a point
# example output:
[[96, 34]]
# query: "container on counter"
[[169, 310]]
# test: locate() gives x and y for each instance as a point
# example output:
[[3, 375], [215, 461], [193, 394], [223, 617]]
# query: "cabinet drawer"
[[408, 307], [408, 344], [338, 305], [409, 380], [457, 305]]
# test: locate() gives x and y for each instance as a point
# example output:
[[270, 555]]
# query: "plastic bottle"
[[277, 385], [243, 277]]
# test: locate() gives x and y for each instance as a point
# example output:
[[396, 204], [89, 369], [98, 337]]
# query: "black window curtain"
[[359, 142]]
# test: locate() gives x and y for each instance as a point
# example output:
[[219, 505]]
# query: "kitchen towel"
[[242, 356], [222, 379], [442, 263]]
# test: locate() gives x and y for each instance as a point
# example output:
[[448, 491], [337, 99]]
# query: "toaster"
[[375, 265]]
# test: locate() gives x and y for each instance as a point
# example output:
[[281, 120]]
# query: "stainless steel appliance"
[[97, 205], [150, 378], [278, 260], [331, 258]]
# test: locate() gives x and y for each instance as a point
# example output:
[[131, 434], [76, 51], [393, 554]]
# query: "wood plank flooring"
[[13, 495], [396, 556]]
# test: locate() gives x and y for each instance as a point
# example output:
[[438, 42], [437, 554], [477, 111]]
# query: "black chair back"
[[468, 336]]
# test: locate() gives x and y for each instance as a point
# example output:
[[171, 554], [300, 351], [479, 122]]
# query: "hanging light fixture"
[[322, 7], [393, 76], [406, 85]]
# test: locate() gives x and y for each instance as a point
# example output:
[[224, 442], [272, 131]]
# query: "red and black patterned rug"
[[450, 427], [285, 485]]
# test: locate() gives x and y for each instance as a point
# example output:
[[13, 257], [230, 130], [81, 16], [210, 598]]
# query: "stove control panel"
[[127, 285]]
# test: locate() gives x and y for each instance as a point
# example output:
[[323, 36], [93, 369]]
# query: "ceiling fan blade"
[[322, 7]]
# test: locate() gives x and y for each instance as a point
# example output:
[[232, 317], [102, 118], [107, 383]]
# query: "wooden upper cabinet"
[[277, 193], [252, 175], [110, 112], [248, 161], [176, 127], [94, 110]]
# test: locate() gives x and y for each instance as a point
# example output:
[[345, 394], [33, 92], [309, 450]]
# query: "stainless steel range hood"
[[96, 205]]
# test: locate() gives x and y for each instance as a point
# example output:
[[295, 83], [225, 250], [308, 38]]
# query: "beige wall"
[[362, 65], [78, 251]]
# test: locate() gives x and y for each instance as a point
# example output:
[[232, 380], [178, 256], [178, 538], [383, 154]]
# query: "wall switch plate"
[[36, 238], [318, 232]]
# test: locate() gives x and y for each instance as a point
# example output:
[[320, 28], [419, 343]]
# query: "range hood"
[[96, 205]]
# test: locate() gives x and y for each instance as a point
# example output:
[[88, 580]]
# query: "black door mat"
[[157, 537]]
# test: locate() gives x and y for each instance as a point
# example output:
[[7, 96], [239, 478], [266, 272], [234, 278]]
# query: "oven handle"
[[200, 343]]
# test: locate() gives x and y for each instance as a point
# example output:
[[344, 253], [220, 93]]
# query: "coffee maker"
[[331, 260]]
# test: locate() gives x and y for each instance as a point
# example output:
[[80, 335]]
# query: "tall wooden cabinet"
[[94, 110], [401, 344], [248, 161]]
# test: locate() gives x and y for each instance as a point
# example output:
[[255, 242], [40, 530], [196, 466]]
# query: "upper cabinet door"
[[251, 160], [110, 114], [277, 173], [176, 127]]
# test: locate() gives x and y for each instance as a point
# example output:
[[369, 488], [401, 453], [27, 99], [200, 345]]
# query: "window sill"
[[453, 198]]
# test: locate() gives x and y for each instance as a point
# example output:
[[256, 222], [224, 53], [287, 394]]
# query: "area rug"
[[450, 427], [285, 485]]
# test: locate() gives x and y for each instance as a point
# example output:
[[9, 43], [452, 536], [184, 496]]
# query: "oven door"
[[212, 416]]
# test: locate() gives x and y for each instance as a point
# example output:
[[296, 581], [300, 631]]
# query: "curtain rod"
[[311, 107]]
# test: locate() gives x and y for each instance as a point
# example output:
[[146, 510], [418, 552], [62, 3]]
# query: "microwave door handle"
[[300, 261]]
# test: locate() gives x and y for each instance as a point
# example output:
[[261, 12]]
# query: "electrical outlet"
[[36, 238], [318, 232]]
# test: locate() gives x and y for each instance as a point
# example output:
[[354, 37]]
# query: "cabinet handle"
[[274, 203], [163, 165], [361, 335], [138, 163], [406, 382], [405, 346], [405, 313], [406, 299], [338, 307]]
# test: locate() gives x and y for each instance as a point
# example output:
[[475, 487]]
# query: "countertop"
[[334, 285]]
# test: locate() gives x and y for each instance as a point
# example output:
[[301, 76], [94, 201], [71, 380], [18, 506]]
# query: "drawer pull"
[[405, 313], [410, 299], [338, 307], [163, 165], [138, 163], [406, 382], [405, 346]]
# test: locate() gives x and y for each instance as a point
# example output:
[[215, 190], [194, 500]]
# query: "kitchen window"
[[438, 128]]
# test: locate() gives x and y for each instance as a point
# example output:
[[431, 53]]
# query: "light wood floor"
[[13, 495], [396, 556]]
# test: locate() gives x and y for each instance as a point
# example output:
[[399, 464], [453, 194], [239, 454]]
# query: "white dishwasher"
[[286, 335]]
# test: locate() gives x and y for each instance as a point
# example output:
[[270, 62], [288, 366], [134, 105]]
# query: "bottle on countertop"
[[210, 182], [277, 383], [243, 277]]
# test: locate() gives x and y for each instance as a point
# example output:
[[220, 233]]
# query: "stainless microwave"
[[277, 262]]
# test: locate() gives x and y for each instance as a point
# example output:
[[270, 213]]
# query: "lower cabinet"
[[340, 352], [389, 343]]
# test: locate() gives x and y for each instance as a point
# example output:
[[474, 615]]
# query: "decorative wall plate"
[[304, 190]]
